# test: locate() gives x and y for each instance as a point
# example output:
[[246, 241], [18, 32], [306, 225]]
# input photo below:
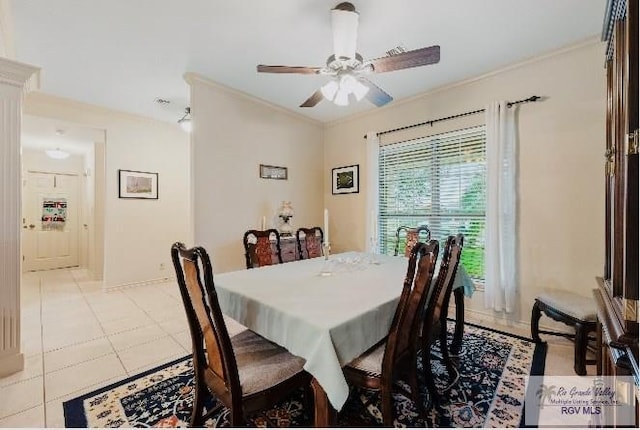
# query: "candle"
[[264, 222], [326, 226]]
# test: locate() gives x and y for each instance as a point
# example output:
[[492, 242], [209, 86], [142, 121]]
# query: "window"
[[439, 181]]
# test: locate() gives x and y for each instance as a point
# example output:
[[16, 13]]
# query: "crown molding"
[[593, 40], [192, 78], [36, 100], [19, 75]]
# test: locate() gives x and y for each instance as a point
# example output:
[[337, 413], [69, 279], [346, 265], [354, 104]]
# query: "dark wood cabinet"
[[617, 292]]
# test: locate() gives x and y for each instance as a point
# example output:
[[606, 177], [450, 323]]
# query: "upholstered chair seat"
[[573, 310], [579, 307], [262, 364], [370, 362]]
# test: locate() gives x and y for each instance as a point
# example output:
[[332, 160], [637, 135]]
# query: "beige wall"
[[233, 134], [138, 233], [561, 142]]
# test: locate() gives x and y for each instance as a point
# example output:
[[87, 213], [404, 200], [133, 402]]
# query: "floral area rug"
[[490, 392]]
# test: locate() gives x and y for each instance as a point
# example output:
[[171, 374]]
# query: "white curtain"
[[373, 190], [500, 245]]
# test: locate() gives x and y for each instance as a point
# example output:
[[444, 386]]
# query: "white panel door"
[[50, 221]]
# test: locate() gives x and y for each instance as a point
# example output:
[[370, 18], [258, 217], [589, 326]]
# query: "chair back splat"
[[212, 349], [245, 372], [309, 242], [378, 367], [412, 236], [405, 328], [262, 248], [434, 316]]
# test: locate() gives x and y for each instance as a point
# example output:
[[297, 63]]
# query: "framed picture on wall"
[[345, 180], [273, 172], [137, 185]]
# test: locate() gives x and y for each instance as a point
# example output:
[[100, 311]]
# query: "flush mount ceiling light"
[[57, 154], [185, 121]]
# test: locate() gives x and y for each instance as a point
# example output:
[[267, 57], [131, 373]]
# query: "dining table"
[[327, 311]]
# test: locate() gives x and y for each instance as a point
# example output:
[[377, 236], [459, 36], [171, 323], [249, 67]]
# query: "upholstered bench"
[[571, 309]]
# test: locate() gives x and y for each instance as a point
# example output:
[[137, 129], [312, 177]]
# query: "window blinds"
[[439, 181]]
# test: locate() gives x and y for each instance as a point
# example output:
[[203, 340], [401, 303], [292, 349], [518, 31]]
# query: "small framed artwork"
[[345, 180], [137, 185], [273, 172]]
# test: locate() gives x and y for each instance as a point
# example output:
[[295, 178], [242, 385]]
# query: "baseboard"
[[11, 364], [138, 284]]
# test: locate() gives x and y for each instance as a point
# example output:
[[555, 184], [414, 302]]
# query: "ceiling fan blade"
[[288, 69], [407, 60], [376, 95], [344, 25], [313, 100]]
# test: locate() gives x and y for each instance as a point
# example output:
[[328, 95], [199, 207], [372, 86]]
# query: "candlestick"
[[374, 225], [264, 222], [326, 226]]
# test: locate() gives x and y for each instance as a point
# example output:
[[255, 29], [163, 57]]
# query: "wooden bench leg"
[[580, 351], [535, 319]]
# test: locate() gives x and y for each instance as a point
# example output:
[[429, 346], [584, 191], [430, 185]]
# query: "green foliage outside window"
[[439, 182]]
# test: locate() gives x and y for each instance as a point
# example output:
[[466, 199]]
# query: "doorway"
[[50, 220], [62, 196]]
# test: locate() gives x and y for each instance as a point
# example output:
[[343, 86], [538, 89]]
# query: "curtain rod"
[[473, 112]]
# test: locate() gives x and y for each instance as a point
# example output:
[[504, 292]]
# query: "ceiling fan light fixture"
[[185, 121], [360, 90], [342, 97], [344, 24], [329, 90], [57, 154], [348, 69]]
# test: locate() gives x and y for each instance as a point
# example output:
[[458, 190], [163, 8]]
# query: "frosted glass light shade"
[[186, 124], [360, 90], [57, 154], [329, 90], [342, 97]]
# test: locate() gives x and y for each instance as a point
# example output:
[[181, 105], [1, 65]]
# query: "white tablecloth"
[[327, 320]]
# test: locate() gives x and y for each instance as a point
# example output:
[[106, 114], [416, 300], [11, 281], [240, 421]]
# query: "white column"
[[15, 79]]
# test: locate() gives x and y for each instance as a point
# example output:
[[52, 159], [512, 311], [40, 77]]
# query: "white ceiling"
[[45, 133], [123, 54]]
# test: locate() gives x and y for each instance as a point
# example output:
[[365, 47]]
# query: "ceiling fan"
[[347, 68]]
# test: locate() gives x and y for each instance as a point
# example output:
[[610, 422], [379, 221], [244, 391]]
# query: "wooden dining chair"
[[435, 321], [379, 367], [246, 372], [309, 242], [262, 248], [412, 236]]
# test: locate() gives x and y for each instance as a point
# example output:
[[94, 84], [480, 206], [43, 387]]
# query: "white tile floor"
[[77, 338]]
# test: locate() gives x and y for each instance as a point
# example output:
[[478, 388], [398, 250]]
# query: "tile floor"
[[77, 338]]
